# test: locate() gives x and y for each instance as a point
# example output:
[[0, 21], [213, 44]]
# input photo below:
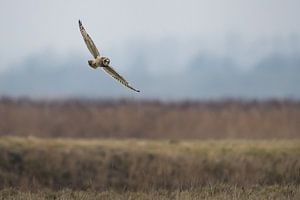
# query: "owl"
[[101, 61]]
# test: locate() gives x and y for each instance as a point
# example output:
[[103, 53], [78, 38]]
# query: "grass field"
[[219, 192], [151, 119], [33, 168]]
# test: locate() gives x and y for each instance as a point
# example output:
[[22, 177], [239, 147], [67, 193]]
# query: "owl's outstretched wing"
[[88, 41], [118, 77]]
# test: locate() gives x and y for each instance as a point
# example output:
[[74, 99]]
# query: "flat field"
[[151, 119], [35, 168]]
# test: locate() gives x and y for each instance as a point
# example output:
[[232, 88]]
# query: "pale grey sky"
[[30, 26]]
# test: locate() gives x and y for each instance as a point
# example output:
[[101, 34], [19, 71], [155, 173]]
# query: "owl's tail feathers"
[[92, 64]]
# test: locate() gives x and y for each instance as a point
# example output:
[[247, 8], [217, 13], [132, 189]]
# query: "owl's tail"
[[92, 64]]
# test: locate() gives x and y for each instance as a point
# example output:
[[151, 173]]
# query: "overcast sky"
[[30, 26]]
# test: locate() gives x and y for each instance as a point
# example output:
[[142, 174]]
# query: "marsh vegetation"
[[149, 150]]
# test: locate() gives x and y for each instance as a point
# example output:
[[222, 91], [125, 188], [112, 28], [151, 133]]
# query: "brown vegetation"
[[216, 192], [143, 165], [150, 119], [257, 154]]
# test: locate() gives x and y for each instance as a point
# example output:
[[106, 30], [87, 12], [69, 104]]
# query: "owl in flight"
[[101, 61]]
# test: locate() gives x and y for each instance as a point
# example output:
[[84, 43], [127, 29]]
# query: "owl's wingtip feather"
[[134, 89]]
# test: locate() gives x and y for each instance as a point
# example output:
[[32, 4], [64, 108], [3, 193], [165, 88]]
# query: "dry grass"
[[142, 165], [256, 154], [150, 119], [219, 192]]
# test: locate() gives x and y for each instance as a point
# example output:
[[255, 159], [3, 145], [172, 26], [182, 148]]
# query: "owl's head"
[[105, 61]]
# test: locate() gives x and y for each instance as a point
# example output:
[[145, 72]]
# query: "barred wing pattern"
[[88, 41], [118, 77]]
